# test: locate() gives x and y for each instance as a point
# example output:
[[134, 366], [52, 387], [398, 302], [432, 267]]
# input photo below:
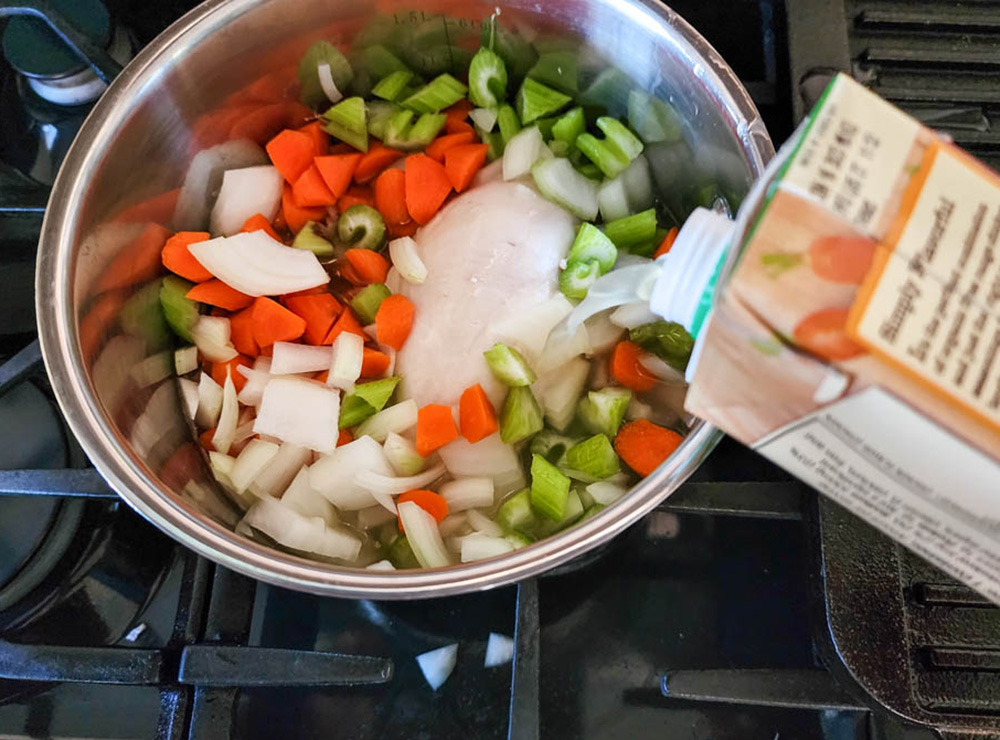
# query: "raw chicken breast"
[[491, 253]]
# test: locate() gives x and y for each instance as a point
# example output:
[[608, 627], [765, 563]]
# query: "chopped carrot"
[[176, 257], [292, 153], [368, 265], [296, 216], [374, 364], [435, 428], [347, 272], [267, 351], [319, 312], [322, 377], [310, 190], [218, 372], [393, 321], [138, 262], [158, 210], [463, 162], [342, 148], [427, 186], [318, 290], [437, 148], [262, 124], [666, 244], [258, 222], [272, 323], [217, 293], [205, 439], [376, 159], [407, 229], [320, 139], [390, 197], [338, 170], [643, 445], [241, 333], [457, 115], [356, 195], [345, 435], [476, 416], [348, 322], [626, 368], [433, 503]]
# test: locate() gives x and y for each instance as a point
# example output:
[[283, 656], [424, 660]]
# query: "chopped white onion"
[[243, 432], [559, 390], [151, 370], [245, 192], [638, 185], [333, 475], [301, 497], [605, 492], [529, 330], [468, 493], [485, 118], [286, 526], [346, 358], [189, 396], [186, 360], [522, 151], [489, 457], [257, 379], [327, 83], [397, 418], [613, 200], [423, 536], [375, 516], [229, 416], [280, 470], [453, 524], [386, 501], [479, 546], [204, 178], [638, 410], [381, 565], [255, 264], [211, 335], [301, 412], [402, 455], [482, 523], [254, 457], [661, 369], [602, 333], [393, 280], [437, 665], [406, 261], [390, 485], [499, 650], [632, 315], [222, 468], [630, 281], [562, 346], [289, 358], [209, 402]]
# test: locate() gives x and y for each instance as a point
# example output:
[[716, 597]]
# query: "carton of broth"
[[854, 330]]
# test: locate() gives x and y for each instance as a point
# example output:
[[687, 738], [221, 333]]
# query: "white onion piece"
[[277, 475], [375, 516], [437, 665], [661, 369], [499, 650], [522, 151], [423, 536], [229, 417], [186, 360], [638, 185], [489, 457], [638, 410], [243, 432], [209, 402], [289, 528], [559, 390], [468, 493], [493, 172], [332, 475], [453, 524], [529, 330], [301, 497], [605, 492], [204, 178], [406, 261], [152, 370], [602, 333], [627, 283], [211, 335], [381, 565], [390, 485], [632, 315], [257, 378], [391, 370], [562, 346], [485, 118], [482, 523], [254, 457], [387, 502], [255, 264], [346, 358], [393, 280], [244, 193], [289, 359], [327, 83], [189, 396], [395, 419], [612, 200], [222, 468], [479, 546], [402, 455], [300, 412]]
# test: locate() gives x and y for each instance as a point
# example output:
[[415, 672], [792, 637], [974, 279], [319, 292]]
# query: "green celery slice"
[[571, 515], [361, 227], [515, 514], [667, 340], [615, 152], [549, 489], [376, 393], [591, 171], [521, 416], [380, 112], [353, 411], [535, 100], [367, 301], [517, 52], [180, 311], [594, 456], [509, 366], [617, 135], [391, 88], [593, 244], [552, 445], [602, 412], [633, 231], [576, 279], [487, 79], [401, 554], [518, 539], [508, 122], [569, 125], [308, 239], [441, 92], [425, 129], [494, 140], [322, 52], [347, 121], [591, 511], [653, 119], [142, 316]]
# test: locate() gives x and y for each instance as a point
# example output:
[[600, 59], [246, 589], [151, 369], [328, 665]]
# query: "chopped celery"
[[142, 316], [594, 456], [609, 90], [535, 100], [559, 182], [618, 135], [402, 132], [667, 340], [576, 279], [508, 122], [311, 241], [559, 148], [653, 119], [392, 87], [484, 118], [515, 514], [591, 511], [615, 152], [380, 62], [494, 140], [549, 489], [509, 365], [367, 301], [601, 412], [591, 171], [593, 244], [571, 514], [322, 52], [552, 446], [180, 311], [517, 52], [487, 79], [353, 411], [632, 231], [518, 539], [401, 554], [361, 227], [569, 125], [347, 121], [558, 69], [521, 416], [436, 95], [380, 112], [376, 393], [545, 125]]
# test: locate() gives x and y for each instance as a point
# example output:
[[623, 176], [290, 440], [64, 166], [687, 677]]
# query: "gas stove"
[[744, 607]]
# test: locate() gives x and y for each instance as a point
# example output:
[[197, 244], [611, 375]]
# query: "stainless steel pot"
[[94, 257]]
